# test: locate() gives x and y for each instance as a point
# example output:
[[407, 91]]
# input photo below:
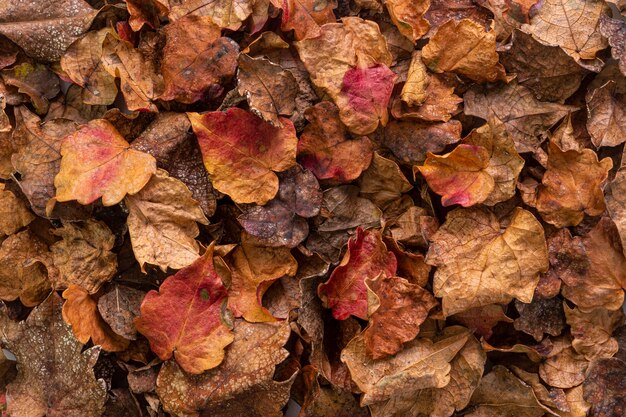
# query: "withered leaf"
[[439, 106], [305, 17], [14, 213], [616, 203], [539, 317], [566, 369], [479, 264], [615, 31], [383, 182], [197, 61], [417, 79], [146, 12], [241, 153], [325, 149], [227, 14], [367, 257], [98, 162], [253, 269], [197, 333], [396, 308], [118, 307], [236, 387], [36, 81], [483, 319], [282, 221], [465, 48], [408, 16], [524, 117], [606, 121], [83, 255], [81, 312], [572, 186], [45, 28], [592, 331], [162, 223], [56, 378], [605, 387]]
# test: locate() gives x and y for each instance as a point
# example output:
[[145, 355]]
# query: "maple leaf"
[[345, 292], [197, 334], [56, 379], [478, 264], [241, 153], [97, 162]]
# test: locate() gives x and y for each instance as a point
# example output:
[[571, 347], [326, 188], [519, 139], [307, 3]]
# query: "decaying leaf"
[[162, 223], [14, 213], [606, 120], [187, 317], [98, 162], [241, 153], [615, 32], [478, 264], [57, 378], [592, 331], [367, 257], [605, 387], [118, 307], [305, 17]]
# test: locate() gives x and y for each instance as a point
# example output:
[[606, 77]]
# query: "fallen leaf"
[[14, 213], [615, 32], [478, 264], [197, 61], [539, 317], [241, 153], [36, 81], [592, 331], [56, 379], [572, 186], [439, 106], [198, 333], [282, 221], [482, 320], [305, 17], [45, 28], [118, 307], [396, 310], [414, 91], [227, 14], [606, 120], [236, 387], [326, 151], [80, 311], [616, 203], [605, 387], [345, 292], [464, 48], [98, 162], [383, 182], [408, 16], [564, 370], [162, 223], [253, 268], [415, 227]]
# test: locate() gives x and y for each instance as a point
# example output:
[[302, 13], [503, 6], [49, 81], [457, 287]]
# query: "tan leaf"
[[572, 186], [411, 140], [80, 311], [564, 370], [439, 106], [270, 89], [414, 91], [592, 331], [14, 214], [478, 264], [615, 31], [606, 121], [227, 14], [464, 48], [119, 306], [616, 203], [238, 386], [421, 364], [383, 182], [162, 223], [56, 378], [83, 255], [408, 16]]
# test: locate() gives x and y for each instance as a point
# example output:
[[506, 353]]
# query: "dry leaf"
[[197, 333], [14, 213], [592, 331], [606, 121], [408, 16], [118, 307], [227, 14], [305, 17], [605, 387], [615, 31]]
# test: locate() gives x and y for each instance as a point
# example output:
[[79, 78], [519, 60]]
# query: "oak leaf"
[[162, 223], [80, 311], [241, 153], [238, 386], [325, 149], [55, 379], [98, 162], [197, 333], [83, 255], [478, 264], [345, 292]]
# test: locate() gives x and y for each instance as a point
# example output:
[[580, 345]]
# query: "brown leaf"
[[27, 269], [83, 255], [14, 214], [45, 28], [82, 63], [464, 48], [196, 60], [36, 81], [564, 370], [539, 317], [479, 264], [383, 183], [396, 310], [118, 307], [414, 91], [592, 331], [439, 106], [546, 70], [236, 387], [421, 364], [253, 269], [524, 117], [146, 12], [616, 203], [408, 16], [606, 121], [80, 311], [282, 221], [325, 149], [55, 378], [162, 223], [175, 149], [305, 16], [227, 14], [270, 89], [410, 265], [605, 387], [615, 31], [442, 11], [572, 186], [483, 319]]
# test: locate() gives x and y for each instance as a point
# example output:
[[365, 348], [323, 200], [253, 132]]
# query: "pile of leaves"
[[355, 208]]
